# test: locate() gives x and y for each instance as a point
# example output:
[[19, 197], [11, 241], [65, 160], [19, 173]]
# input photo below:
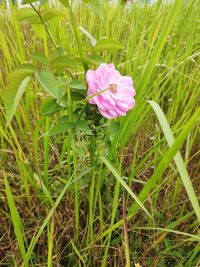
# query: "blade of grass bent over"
[[78, 254], [123, 183], [166, 159], [177, 158]]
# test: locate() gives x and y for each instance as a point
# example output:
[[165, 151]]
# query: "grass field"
[[128, 193]]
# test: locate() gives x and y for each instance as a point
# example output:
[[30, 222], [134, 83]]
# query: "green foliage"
[[49, 107], [178, 158], [40, 57], [107, 44], [77, 85], [66, 167], [16, 220], [84, 126], [17, 84], [60, 128], [63, 62], [25, 2], [48, 81]]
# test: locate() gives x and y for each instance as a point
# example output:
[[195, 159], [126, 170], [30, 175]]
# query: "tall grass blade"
[[16, 220], [123, 183], [177, 158], [50, 214], [165, 160], [126, 241]]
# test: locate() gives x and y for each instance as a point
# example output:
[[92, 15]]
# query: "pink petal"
[[105, 113]]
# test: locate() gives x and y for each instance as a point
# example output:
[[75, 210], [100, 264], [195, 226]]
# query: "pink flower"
[[118, 95]]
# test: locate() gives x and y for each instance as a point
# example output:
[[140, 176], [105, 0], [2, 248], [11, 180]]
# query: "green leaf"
[[28, 67], [178, 158], [42, 2], [84, 126], [77, 96], [16, 220], [63, 62], [59, 51], [107, 44], [49, 83], [64, 119], [30, 16], [114, 129], [25, 2], [51, 13], [40, 57], [60, 128], [77, 85], [18, 81], [49, 107], [96, 59], [27, 15]]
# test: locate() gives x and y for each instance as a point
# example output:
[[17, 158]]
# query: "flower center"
[[113, 88]]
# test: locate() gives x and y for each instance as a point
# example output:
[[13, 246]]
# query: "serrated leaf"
[[60, 128], [18, 81], [63, 61], [84, 126], [75, 84], [49, 107], [51, 13], [40, 57], [28, 67], [27, 15], [96, 59], [49, 83], [107, 44], [64, 119]]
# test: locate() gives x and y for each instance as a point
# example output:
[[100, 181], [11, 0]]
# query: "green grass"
[[64, 198]]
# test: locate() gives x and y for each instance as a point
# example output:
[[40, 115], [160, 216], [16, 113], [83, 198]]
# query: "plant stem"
[[77, 37], [45, 25]]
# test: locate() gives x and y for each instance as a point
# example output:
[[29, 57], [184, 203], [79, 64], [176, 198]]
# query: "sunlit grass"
[[61, 196]]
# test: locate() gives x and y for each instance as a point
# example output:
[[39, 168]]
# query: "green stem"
[[77, 37], [45, 25]]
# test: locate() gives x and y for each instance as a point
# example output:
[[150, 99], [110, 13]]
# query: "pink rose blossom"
[[118, 95]]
